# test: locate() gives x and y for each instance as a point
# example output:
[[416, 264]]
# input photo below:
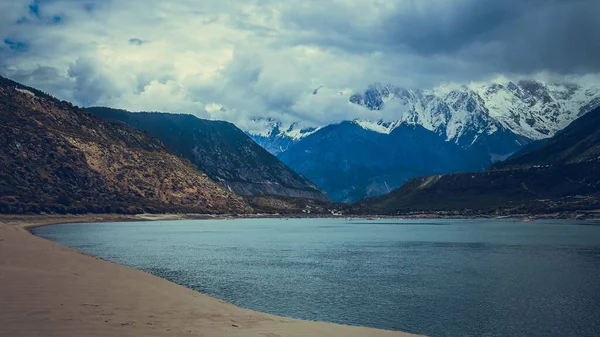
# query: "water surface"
[[436, 277]]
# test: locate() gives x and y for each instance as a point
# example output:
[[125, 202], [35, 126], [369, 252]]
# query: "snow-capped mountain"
[[422, 132], [275, 136], [530, 109]]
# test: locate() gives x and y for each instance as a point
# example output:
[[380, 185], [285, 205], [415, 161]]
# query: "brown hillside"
[[55, 157]]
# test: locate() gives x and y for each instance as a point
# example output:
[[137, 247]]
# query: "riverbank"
[[48, 289]]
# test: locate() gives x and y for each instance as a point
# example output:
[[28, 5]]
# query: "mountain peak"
[[529, 109]]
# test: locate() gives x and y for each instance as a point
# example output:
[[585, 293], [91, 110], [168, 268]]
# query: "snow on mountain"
[[268, 127], [462, 114], [379, 126], [416, 132], [276, 136], [532, 109], [537, 110]]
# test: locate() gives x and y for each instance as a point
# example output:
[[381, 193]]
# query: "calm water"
[[437, 277]]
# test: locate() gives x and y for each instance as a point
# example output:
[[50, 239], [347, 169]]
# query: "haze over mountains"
[[483, 124]]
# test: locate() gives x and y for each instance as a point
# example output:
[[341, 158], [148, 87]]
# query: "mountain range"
[[563, 174], [487, 123], [58, 158]]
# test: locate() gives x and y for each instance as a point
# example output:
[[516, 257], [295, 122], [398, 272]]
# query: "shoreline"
[[40, 220], [50, 289]]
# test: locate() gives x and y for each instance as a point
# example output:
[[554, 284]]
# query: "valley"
[[58, 158]]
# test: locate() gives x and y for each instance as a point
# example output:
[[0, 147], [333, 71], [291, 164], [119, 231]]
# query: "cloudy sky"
[[231, 59]]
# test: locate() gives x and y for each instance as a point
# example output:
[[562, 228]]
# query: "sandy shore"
[[50, 290]]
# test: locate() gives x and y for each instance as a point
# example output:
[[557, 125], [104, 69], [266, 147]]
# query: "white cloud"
[[231, 59]]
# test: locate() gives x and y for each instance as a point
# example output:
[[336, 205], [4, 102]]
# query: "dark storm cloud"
[[268, 56], [511, 35], [521, 36], [449, 27]]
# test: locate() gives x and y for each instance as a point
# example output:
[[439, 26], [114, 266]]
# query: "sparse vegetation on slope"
[[221, 150], [55, 157]]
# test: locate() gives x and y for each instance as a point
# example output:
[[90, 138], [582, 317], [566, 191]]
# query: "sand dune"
[[49, 290]]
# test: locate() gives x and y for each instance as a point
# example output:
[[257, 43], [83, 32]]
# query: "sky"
[[235, 59]]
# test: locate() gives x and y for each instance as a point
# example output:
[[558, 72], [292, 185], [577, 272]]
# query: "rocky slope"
[[55, 157], [561, 175], [221, 150]]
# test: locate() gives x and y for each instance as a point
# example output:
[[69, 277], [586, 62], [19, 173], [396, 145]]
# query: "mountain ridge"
[[221, 150], [349, 162], [55, 157], [528, 108]]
